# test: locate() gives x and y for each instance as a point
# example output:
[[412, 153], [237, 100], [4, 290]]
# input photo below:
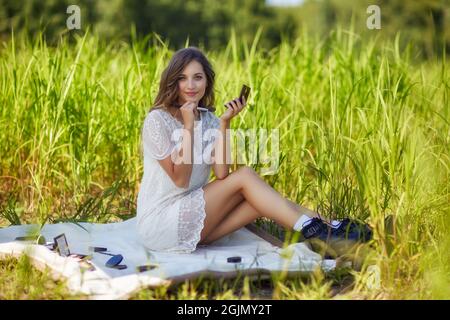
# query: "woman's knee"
[[246, 175], [236, 181], [247, 171]]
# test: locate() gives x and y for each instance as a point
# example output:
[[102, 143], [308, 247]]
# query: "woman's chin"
[[190, 99]]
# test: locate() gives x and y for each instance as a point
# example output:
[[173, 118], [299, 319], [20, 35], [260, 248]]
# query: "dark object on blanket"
[[114, 261], [26, 238], [61, 245], [38, 238], [234, 259], [146, 267], [50, 245], [98, 249], [80, 256]]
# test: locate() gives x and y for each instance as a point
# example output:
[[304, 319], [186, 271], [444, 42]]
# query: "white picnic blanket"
[[121, 238]]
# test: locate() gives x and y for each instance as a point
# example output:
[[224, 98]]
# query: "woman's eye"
[[198, 78]]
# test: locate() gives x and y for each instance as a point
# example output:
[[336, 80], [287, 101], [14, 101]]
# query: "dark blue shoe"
[[316, 228], [333, 242], [353, 230]]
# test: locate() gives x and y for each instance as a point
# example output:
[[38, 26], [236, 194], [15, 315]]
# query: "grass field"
[[364, 132]]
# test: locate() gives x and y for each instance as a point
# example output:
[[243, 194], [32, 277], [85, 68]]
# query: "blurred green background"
[[207, 23], [363, 117]]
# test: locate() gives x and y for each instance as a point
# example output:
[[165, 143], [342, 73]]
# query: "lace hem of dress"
[[190, 221]]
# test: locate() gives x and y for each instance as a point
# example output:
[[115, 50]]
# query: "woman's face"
[[192, 80]]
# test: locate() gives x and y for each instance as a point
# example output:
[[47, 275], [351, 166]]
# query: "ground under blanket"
[[258, 255]]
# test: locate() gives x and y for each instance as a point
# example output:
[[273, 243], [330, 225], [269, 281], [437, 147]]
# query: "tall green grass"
[[364, 132]]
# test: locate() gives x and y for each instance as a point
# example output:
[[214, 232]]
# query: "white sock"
[[335, 223], [304, 220], [301, 222]]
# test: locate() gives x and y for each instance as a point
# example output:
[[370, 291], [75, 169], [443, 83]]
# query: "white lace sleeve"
[[156, 136]]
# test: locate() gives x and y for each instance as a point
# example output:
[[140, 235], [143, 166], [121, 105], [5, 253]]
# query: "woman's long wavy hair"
[[168, 85]]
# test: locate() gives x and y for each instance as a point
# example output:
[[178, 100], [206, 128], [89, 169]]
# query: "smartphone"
[[245, 92]]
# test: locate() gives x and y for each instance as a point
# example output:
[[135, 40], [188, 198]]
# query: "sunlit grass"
[[364, 132], [20, 280]]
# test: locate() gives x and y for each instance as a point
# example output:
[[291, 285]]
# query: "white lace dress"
[[170, 218]]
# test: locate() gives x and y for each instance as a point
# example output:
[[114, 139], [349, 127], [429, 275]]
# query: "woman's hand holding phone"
[[233, 108]]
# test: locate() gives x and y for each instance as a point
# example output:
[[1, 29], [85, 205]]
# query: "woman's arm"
[[180, 168], [222, 156], [179, 165]]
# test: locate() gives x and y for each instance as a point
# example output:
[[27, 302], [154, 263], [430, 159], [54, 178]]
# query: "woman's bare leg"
[[241, 215], [262, 197]]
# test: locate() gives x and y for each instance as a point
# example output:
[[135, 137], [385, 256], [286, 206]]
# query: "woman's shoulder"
[[158, 113], [157, 117], [156, 110]]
